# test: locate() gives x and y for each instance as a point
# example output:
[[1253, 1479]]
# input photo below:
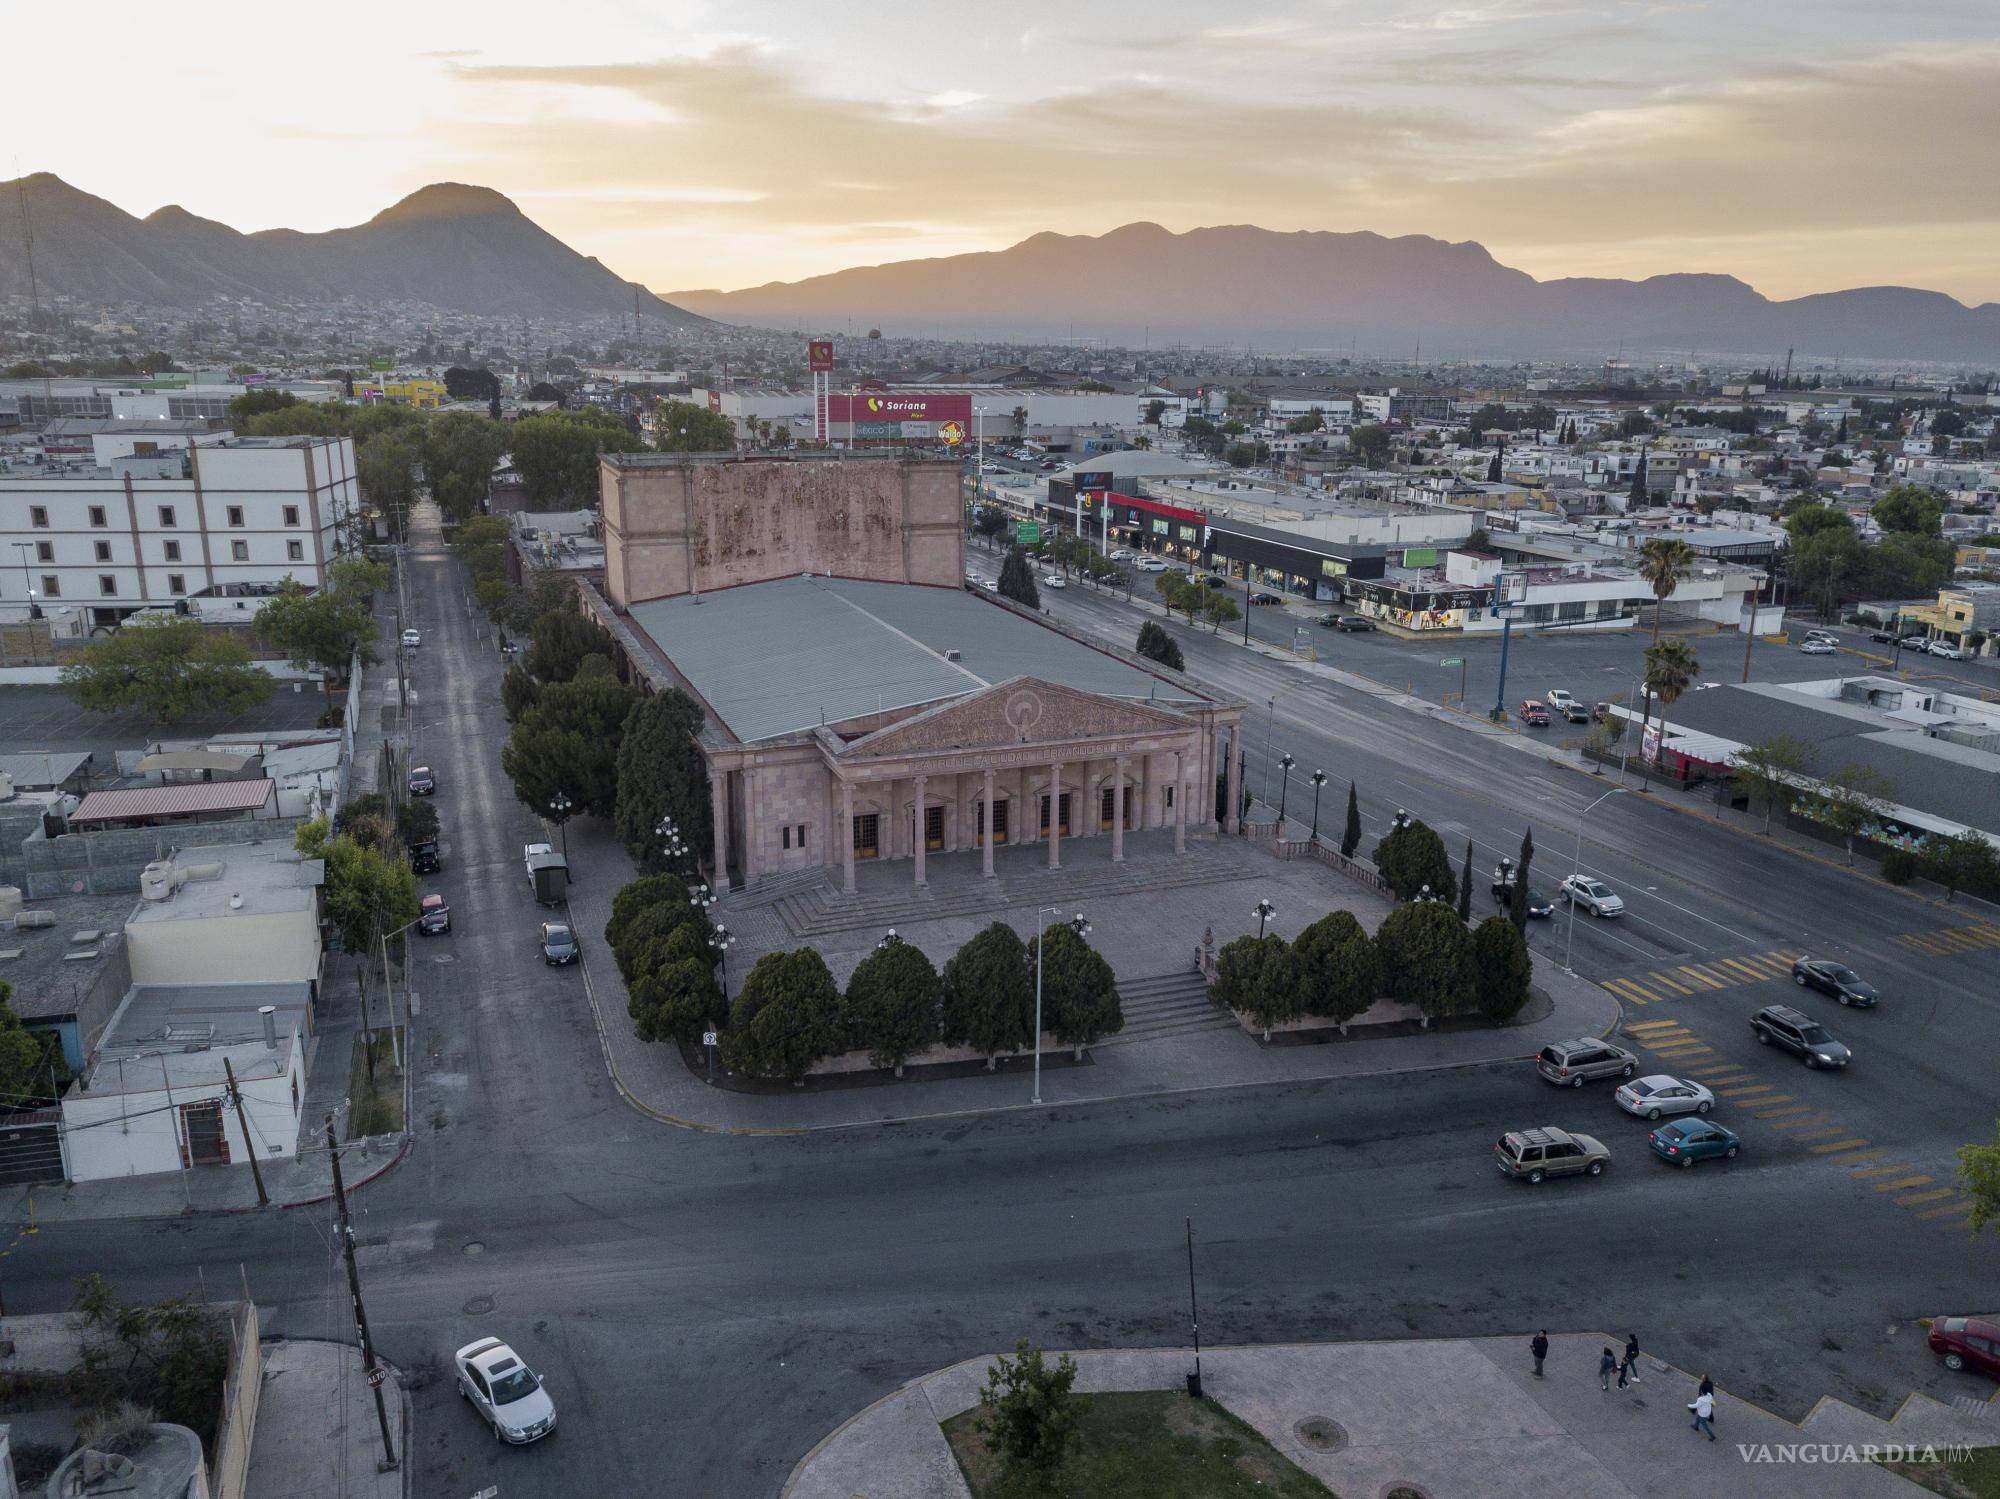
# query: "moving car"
[[1650, 1097], [1150, 565], [1054, 580], [1532, 1154], [433, 916], [1947, 650], [1355, 623], [1817, 634], [1265, 598], [1573, 1063], [1534, 714], [1538, 903], [1837, 979], [972, 580], [559, 943], [412, 639], [1686, 1141], [1123, 554], [424, 857], [991, 585], [1817, 647], [1600, 711], [422, 782], [1967, 1343], [1881, 637], [1800, 1034], [1594, 896], [507, 1394], [1329, 621]]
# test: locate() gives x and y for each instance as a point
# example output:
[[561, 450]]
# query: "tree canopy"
[[556, 454], [568, 742], [661, 773], [1335, 968], [1413, 856], [892, 1004], [1079, 991], [684, 427], [1017, 579], [786, 1017], [988, 993], [168, 669], [1426, 956]]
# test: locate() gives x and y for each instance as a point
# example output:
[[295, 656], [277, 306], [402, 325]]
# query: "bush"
[[1155, 644], [1427, 958], [1033, 1415], [1253, 975], [786, 1018], [1336, 968], [1899, 866], [989, 993], [891, 1007], [1502, 968], [675, 994], [1412, 857]]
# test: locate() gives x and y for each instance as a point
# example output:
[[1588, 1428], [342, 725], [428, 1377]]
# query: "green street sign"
[[1452, 661], [1028, 532]]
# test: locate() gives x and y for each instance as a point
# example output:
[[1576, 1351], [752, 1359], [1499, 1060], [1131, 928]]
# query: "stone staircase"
[[1167, 1004]]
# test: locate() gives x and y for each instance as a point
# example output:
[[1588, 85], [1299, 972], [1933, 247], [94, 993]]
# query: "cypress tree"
[[1350, 838], [1465, 887], [1518, 914]]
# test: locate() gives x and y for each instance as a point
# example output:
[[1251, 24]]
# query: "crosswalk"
[[1928, 1194], [1952, 939], [1689, 979]]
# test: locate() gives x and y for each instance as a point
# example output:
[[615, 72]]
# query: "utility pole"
[[249, 1145], [375, 1376]]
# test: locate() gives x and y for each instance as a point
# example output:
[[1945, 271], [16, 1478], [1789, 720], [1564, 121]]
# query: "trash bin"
[[1194, 1384]]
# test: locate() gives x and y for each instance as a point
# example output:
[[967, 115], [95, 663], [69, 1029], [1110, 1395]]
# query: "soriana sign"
[[870, 408], [819, 355]]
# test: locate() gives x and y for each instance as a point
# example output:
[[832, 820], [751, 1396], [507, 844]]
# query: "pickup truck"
[[548, 874]]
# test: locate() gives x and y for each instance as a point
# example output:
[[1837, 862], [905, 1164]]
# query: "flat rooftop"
[[180, 1033], [266, 878], [50, 970], [785, 656]]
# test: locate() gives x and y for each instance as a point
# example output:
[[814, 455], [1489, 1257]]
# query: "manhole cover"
[[473, 1246], [478, 1306], [1321, 1434]]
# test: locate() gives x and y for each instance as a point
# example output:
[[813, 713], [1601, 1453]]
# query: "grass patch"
[[1153, 1444], [376, 1110], [1976, 1477]]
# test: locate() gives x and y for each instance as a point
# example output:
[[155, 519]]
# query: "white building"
[[167, 521]]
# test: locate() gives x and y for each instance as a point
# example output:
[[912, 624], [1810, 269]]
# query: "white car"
[[1815, 646], [1151, 565], [1650, 1097], [1557, 699], [1123, 554], [1594, 896], [1054, 580], [504, 1390], [1947, 650], [412, 639], [991, 585]]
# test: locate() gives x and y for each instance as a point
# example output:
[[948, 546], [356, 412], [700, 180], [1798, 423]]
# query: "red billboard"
[[819, 355], [882, 406]]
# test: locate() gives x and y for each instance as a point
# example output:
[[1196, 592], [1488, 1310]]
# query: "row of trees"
[[1196, 596], [1829, 564]]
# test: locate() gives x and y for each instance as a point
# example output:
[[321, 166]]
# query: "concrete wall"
[[671, 527], [241, 948], [241, 1388], [109, 862]]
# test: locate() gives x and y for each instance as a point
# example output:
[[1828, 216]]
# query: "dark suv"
[[1574, 1063], [1800, 1034]]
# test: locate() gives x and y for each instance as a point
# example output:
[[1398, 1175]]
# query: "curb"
[[354, 1186]]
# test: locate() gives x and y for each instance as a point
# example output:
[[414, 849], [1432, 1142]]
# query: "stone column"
[[1180, 801], [986, 843], [1145, 790], [1234, 794], [847, 836], [1118, 813], [718, 809], [951, 814], [917, 830], [1055, 815]]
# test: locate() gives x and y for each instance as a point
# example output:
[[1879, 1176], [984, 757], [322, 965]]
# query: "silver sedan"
[[1650, 1097]]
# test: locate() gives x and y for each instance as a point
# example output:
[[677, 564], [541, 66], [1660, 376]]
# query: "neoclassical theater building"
[[863, 702]]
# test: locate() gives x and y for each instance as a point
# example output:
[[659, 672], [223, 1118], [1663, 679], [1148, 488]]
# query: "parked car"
[[1800, 1034], [1329, 621], [1881, 637], [1815, 647], [1967, 1343], [424, 857], [559, 943], [971, 580], [507, 1394], [1571, 1064], [1355, 624], [1575, 712], [1054, 580], [1594, 896], [422, 782], [1947, 650], [1915, 643], [1686, 1141], [1827, 635], [1557, 698], [1532, 1154], [1266, 598], [1150, 565], [548, 872], [1538, 903], [1599, 712], [1650, 1097], [1123, 554], [411, 639], [991, 585], [433, 916], [1837, 979], [1534, 714]]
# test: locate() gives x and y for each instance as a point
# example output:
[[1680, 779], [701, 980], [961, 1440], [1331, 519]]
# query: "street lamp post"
[[1081, 927], [1285, 764], [559, 808], [1318, 780], [721, 941], [1263, 911], [1270, 730], [1576, 870], [671, 844]]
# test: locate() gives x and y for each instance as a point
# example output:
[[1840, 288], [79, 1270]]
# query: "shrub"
[[891, 1006], [1254, 976], [1336, 968], [1427, 958], [1899, 866], [1032, 1413], [989, 993], [1502, 968]]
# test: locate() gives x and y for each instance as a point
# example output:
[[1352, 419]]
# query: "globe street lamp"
[[1264, 912], [1285, 764], [671, 846], [1081, 927], [559, 808], [701, 897], [1318, 779], [721, 941]]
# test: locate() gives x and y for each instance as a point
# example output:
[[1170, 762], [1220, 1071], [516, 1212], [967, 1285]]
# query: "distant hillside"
[[466, 248], [1238, 283]]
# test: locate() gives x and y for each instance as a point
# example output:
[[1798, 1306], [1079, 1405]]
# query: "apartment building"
[[115, 533]]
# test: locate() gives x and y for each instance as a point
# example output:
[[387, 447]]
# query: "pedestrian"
[[1605, 1364], [1703, 1406], [1624, 1373], [1539, 1347], [1631, 1365]]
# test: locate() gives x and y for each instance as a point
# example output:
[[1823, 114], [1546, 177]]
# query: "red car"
[[1967, 1343], [1535, 713]]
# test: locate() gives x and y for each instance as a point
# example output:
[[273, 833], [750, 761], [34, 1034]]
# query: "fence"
[[1358, 870], [240, 1389]]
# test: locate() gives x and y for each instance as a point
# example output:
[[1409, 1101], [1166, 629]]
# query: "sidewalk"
[[317, 1433], [1142, 934], [1453, 1419]]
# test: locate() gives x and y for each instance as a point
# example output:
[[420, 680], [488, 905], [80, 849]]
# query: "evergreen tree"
[[1017, 580], [892, 1004], [661, 774], [1502, 968], [786, 1018], [1426, 955], [1079, 990], [1517, 910], [1413, 857], [1155, 644], [1639, 480], [1334, 968], [989, 993], [1493, 468], [1465, 886], [1254, 975], [1350, 838]]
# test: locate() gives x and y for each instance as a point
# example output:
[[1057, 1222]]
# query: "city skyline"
[[1803, 148]]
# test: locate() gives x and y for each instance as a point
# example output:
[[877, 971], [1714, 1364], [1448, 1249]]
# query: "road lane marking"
[[1865, 1155], [1956, 1210], [1829, 1149], [1655, 1025], [1902, 1183], [1889, 1170], [1917, 1199], [1700, 978], [1791, 1108]]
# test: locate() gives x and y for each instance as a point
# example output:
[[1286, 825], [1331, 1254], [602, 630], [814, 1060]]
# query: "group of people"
[[1627, 1370]]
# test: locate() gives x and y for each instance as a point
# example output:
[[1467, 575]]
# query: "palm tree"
[[1663, 562], [1670, 670]]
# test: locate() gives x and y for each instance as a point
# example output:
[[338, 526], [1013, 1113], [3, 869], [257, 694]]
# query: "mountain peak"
[[447, 200]]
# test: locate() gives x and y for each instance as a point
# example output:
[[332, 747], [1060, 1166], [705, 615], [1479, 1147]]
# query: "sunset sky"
[[1804, 145]]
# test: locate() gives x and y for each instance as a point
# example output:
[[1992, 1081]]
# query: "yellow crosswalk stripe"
[[1828, 1149], [1865, 1155], [1889, 1170], [1716, 979], [1925, 944], [1707, 981], [1955, 937], [1916, 1199], [1681, 1049], [1819, 1132], [1668, 982], [1721, 1075], [1956, 1210], [1654, 1025], [1632, 989], [1902, 1183], [1736, 965], [1751, 1090], [1790, 1108], [1770, 965]]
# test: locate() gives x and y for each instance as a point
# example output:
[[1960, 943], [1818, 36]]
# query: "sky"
[[1803, 145]]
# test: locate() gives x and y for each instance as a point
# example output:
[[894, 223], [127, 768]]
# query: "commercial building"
[[1396, 405], [862, 703], [1962, 610], [169, 520]]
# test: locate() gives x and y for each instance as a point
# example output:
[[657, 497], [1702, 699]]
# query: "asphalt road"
[[705, 1307]]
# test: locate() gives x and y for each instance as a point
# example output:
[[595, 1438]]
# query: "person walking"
[[1630, 1367], [1606, 1362], [1703, 1406], [1539, 1347]]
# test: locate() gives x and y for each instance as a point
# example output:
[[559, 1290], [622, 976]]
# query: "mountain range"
[[468, 249], [1335, 291]]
